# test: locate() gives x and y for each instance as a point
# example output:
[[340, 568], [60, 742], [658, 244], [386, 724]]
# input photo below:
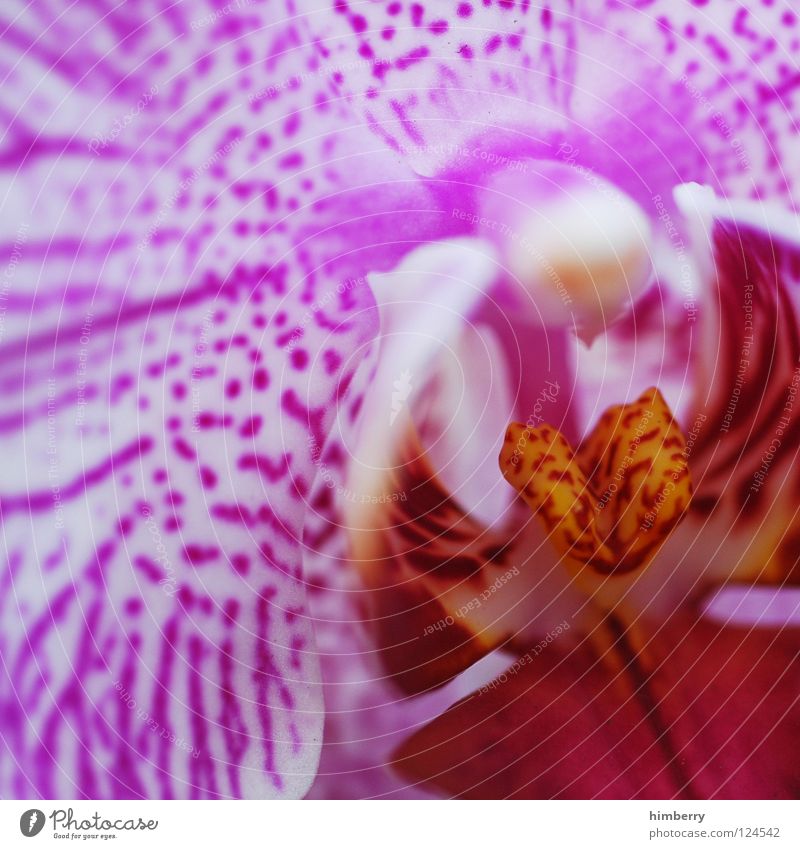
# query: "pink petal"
[[762, 607], [647, 96], [171, 349]]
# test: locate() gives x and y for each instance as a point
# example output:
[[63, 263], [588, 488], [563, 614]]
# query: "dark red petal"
[[702, 713]]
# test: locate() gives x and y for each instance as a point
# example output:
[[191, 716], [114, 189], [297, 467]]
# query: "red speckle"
[[260, 379], [197, 555], [133, 606], [493, 44], [332, 360], [251, 427], [299, 358], [183, 449], [241, 563]]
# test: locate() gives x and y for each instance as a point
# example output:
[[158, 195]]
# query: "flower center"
[[609, 506], [579, 248]]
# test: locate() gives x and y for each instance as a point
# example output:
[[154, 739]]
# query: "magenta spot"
[[260, 379], [299, 359], [272, 470], [233, 388], [241, 563], [160, 475], [439, 27], [387, 34], [178, 391], [464, 10], [332, 360], [133, 606], [120, 384], [198, 555], [207, 420], [183, 448], [291, 125], [291, 160], [394, 8], [186, 597], [230, 609], [466, 51], [173, 423], [251, 427], [493, 44], [173, 498], [358, 23], [208, 477], [417, 11], [411, 58]]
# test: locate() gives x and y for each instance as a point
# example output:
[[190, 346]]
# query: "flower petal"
[[164, 372], [698, 713], [156, 643], [745, 449], [477, 85]]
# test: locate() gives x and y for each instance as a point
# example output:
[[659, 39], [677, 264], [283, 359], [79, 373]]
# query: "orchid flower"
[[443, 356]]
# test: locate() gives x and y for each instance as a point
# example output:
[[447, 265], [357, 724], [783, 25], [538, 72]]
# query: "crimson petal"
[[698, 712]]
